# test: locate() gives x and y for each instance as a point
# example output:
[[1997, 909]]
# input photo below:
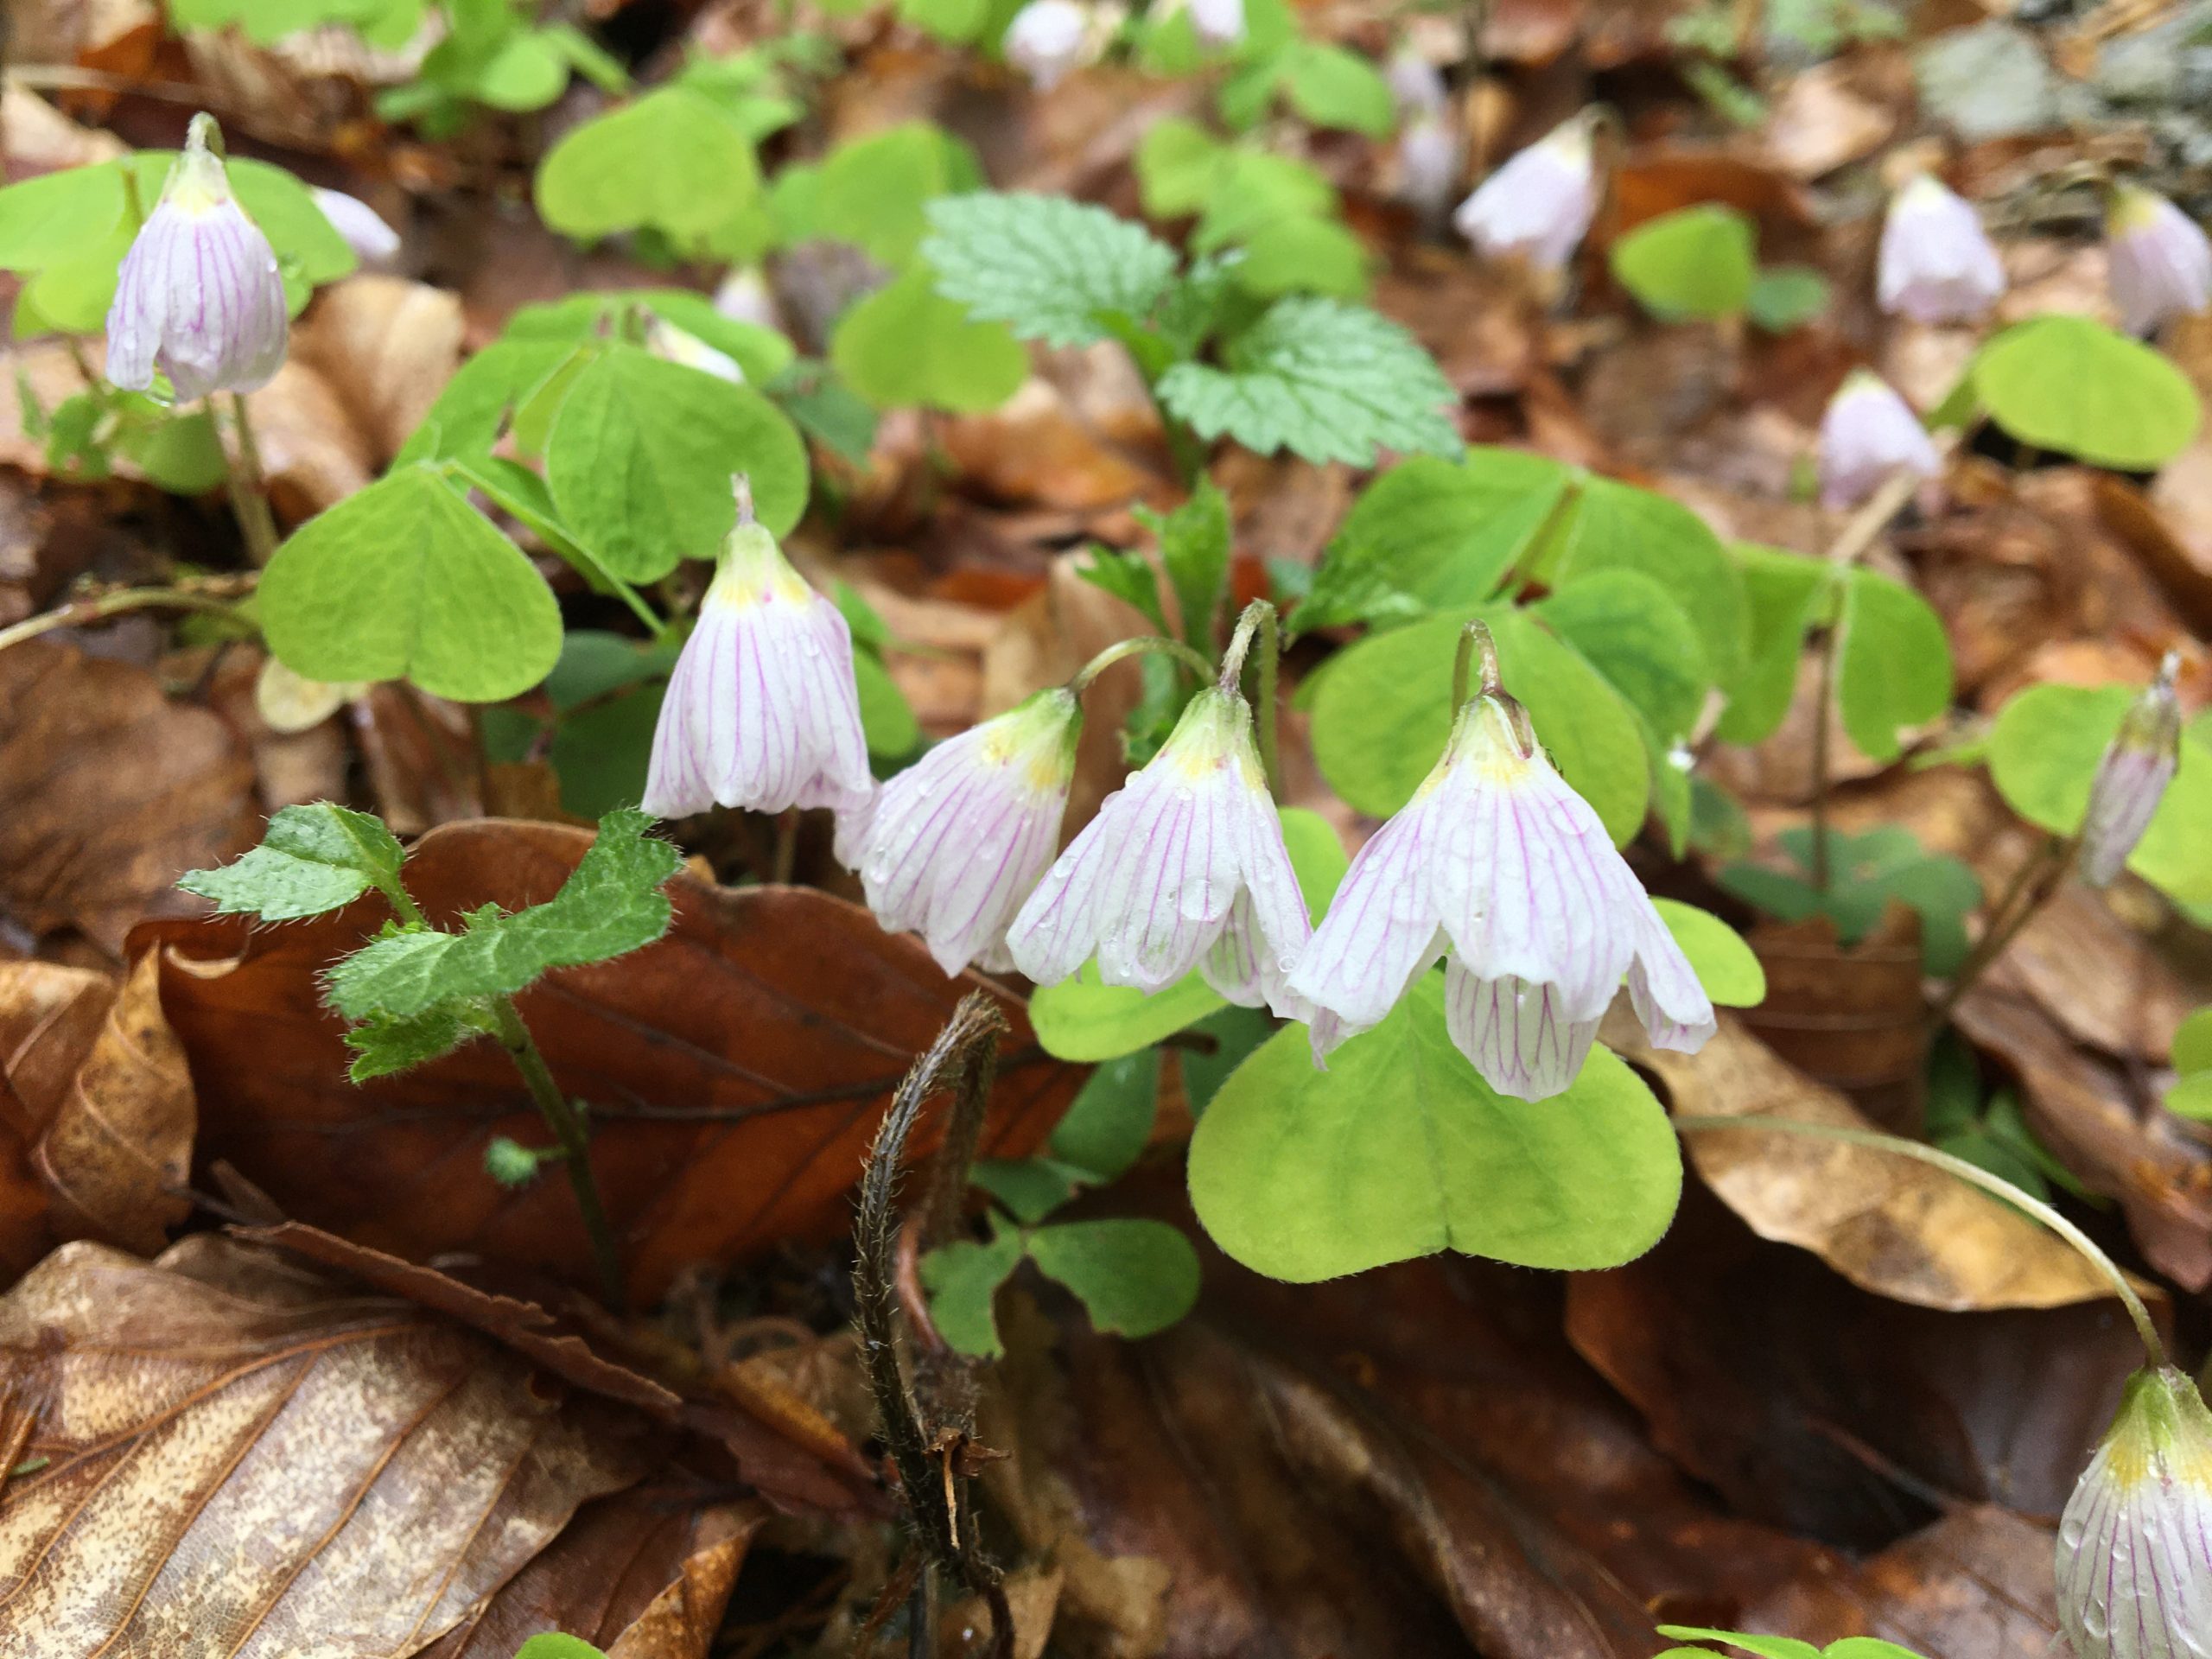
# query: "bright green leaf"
[[57, 214], [1111, 1118], [1304, 256], [2192, 1097], [672, 160], [1178, 164], [1133, 1276], [1785, 594], [639, 461], [761, 353], [888, 720], [2192, 1048], [1787, 296], [962, 1279], [470, 412], [1865, 1647], [551, 1644], [2072, 385], [1194, 550], [1051, 269], [1333, 87], [1325, 380], [1400, 1149], [1695, 261], [405, 580], [1726, 966], [907, 344], [1767, 1647], [1616, 526], [873, 190], [311, 859], [1630, 630], [1892, 664]]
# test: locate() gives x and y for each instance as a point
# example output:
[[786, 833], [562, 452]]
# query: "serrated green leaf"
[[2043, 752], [405, 580], [1384, 712], [2072, 385], [50, 217], [1333, 87], [906, 345], [1061, 271], [611, 903], [1695, 261], [311, 860], [1892, 663], [1133, 1276], [1129, 577], [1400, 1149], [1080, 1018], [383, 1046], [1325, 380], [672, 160], [641, 457], [1726, 966], [962, 1279]]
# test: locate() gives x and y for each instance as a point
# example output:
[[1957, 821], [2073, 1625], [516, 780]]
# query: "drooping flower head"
[[950, 847], [762, 711], [1868, 434], [1936, 264], [2135, 1543], [199, 296], [1499, 867], [1430, 152], [1539, 205], [373, 241], [1047, 40], [1219, 23], [1184, 867], [2132, 778], [1416, 84], [2160, 261]]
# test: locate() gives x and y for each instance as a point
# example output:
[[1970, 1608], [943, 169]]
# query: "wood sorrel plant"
[[417, 990]]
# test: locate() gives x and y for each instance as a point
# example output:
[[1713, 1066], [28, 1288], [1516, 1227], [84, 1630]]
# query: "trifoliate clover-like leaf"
[[1050, 269], [611, 905], [1325, 380], [313, 860]]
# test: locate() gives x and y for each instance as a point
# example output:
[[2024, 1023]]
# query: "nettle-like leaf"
[[1400, 1149], [406, 580], [1080, 1018], [2043, 754], [1052, 270], [611, 905], [384, 1045], [1325, 380], [311, 859]]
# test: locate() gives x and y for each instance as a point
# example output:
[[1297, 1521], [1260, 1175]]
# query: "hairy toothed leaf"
[[1052, 270], [1325, 380], [610, 905], [311, 859], [382, 1045]]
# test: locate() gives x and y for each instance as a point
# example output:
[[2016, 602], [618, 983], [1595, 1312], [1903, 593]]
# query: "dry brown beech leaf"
[[1888, 1223], [241, 1458], [735, 1069], [49, 1015], [109, 791], [387, 346]]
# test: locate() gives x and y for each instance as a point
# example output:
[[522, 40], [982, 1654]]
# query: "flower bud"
[[2159, 261], [762, 711], [1429, 153], [666, 340], [950, 847], [2132, 779], [199, 296], [1868, 434], [1219, 23], [374, 242], [2135, 1543], [743, 295], [1936, 264], [1539, 205], [1047, 40], [1416, 84]]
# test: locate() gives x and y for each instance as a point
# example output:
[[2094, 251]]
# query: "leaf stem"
[[1259, 619], [248, 488], [1974, 1175], [1124, 648], [567, 1123], [82, 611]]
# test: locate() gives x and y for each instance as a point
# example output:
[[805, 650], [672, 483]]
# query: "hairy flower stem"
[[1974, 1175], [248, 488], [79, 611], [2033, 886], [560, 1114], [1473, 638], [1259, 618], [1183, 656]]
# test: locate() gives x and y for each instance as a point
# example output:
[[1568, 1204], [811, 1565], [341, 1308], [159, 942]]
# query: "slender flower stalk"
[[1540, 204], [199, 296], [2133, 777], [950, 847], [1184, 867], [1499, 867], [762, 710], [1936, 264], [2159, 261]]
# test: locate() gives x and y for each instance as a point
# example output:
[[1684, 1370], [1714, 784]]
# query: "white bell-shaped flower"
[[1048, 40], [1869, 433], [950, 847], [2132, 778], [199, 296], [2160, 261], [1498, 867], [1936, 264], [374, 242], [762, 711], [1540, 204]]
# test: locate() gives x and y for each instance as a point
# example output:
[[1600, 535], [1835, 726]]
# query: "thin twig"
[[79, 611]]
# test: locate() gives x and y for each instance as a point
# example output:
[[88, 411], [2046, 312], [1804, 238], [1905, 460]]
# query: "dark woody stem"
[[248, 489], [1259, 618]]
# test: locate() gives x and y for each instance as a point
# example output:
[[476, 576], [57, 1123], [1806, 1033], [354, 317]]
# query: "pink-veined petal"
[[1523, 1038], [1380, 931], [1664, 990]]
